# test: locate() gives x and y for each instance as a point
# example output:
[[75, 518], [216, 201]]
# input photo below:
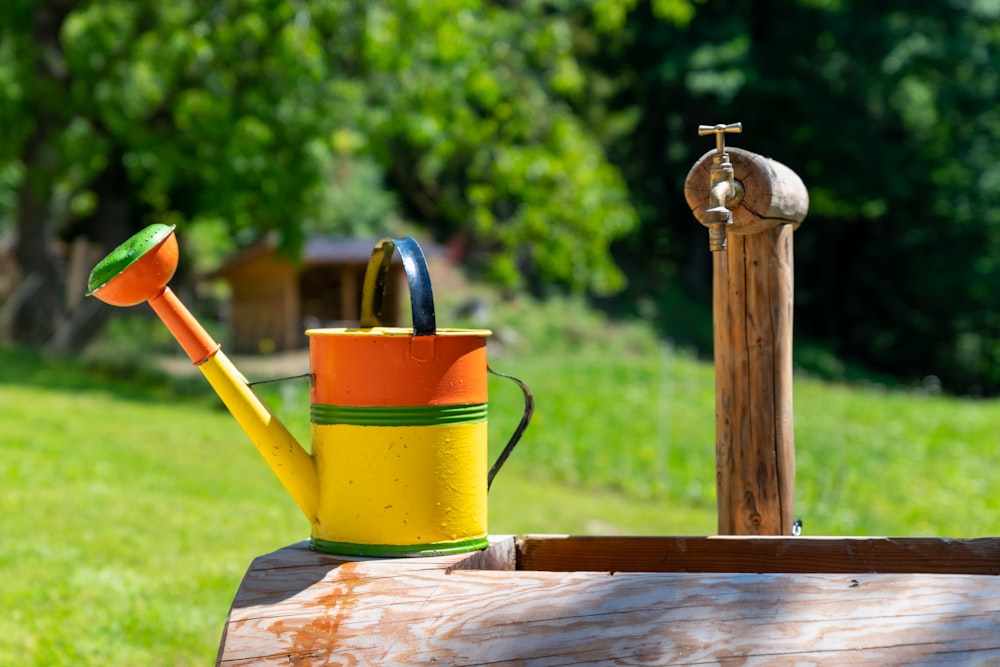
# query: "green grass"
[[619, 410], [132, 508], [879, 462], [132, 504], [128, 520]]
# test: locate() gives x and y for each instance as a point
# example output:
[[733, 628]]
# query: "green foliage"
[[478, 141], [354, 202], [10, 177], [301, 117], [491, 125], [888, 113], [213, 113]]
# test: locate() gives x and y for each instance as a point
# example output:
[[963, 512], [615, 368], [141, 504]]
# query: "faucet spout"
[[724, 190]]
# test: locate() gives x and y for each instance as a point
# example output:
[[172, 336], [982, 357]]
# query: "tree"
[[130, 113], [30, 45], [888, 112], [241, 113]]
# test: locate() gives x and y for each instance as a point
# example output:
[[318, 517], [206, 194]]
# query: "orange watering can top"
[[418, 366]]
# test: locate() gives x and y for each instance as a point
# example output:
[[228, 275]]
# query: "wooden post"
[[752, 313]]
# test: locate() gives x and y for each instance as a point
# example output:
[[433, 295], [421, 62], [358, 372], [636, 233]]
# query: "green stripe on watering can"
[[399, 550], [421, 415]]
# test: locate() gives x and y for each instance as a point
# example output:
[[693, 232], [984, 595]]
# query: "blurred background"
[[538, 151], [543, 144]]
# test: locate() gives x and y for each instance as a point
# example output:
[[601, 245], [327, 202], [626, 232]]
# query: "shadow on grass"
[[126, 378]]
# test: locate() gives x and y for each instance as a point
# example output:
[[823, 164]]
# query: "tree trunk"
[[36, 319], [110, 225], [52, 318]]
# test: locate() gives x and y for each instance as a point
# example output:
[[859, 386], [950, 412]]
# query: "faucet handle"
[[720, 132]]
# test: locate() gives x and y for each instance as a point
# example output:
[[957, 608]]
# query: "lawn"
[[132, 504]]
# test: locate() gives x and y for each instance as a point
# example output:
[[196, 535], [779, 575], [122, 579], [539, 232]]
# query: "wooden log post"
[[752, 313]]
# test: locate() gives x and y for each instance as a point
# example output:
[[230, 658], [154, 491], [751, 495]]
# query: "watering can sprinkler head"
[[138, 269]]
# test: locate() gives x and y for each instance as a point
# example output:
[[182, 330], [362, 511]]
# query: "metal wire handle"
[[529, 409]]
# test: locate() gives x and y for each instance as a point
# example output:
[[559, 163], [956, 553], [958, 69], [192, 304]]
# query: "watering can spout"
[[137, 271], [292, 464]]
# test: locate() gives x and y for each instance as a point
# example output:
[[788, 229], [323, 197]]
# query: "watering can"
[[398, 465]]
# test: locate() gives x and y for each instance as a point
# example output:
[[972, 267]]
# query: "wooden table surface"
[[299, 607]]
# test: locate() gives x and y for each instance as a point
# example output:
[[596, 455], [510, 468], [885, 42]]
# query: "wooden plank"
[[290, 579], [397, 612], [930, 555], [501, 555]]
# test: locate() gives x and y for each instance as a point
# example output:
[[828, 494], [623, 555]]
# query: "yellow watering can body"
[[398, 416], [401, 449]]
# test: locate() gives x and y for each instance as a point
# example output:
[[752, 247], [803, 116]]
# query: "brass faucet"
[[725, 190]]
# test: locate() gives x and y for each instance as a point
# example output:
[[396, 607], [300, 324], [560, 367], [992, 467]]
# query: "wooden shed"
[[275, 299]]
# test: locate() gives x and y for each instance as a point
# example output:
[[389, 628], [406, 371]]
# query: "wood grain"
[[755, 447], [846, 555], [773, 194], [752, 305], [396, 612]]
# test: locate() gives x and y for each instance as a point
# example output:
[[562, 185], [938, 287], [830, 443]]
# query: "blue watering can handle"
[[417, 277]]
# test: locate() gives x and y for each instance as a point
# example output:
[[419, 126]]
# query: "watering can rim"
[[393, 331]]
